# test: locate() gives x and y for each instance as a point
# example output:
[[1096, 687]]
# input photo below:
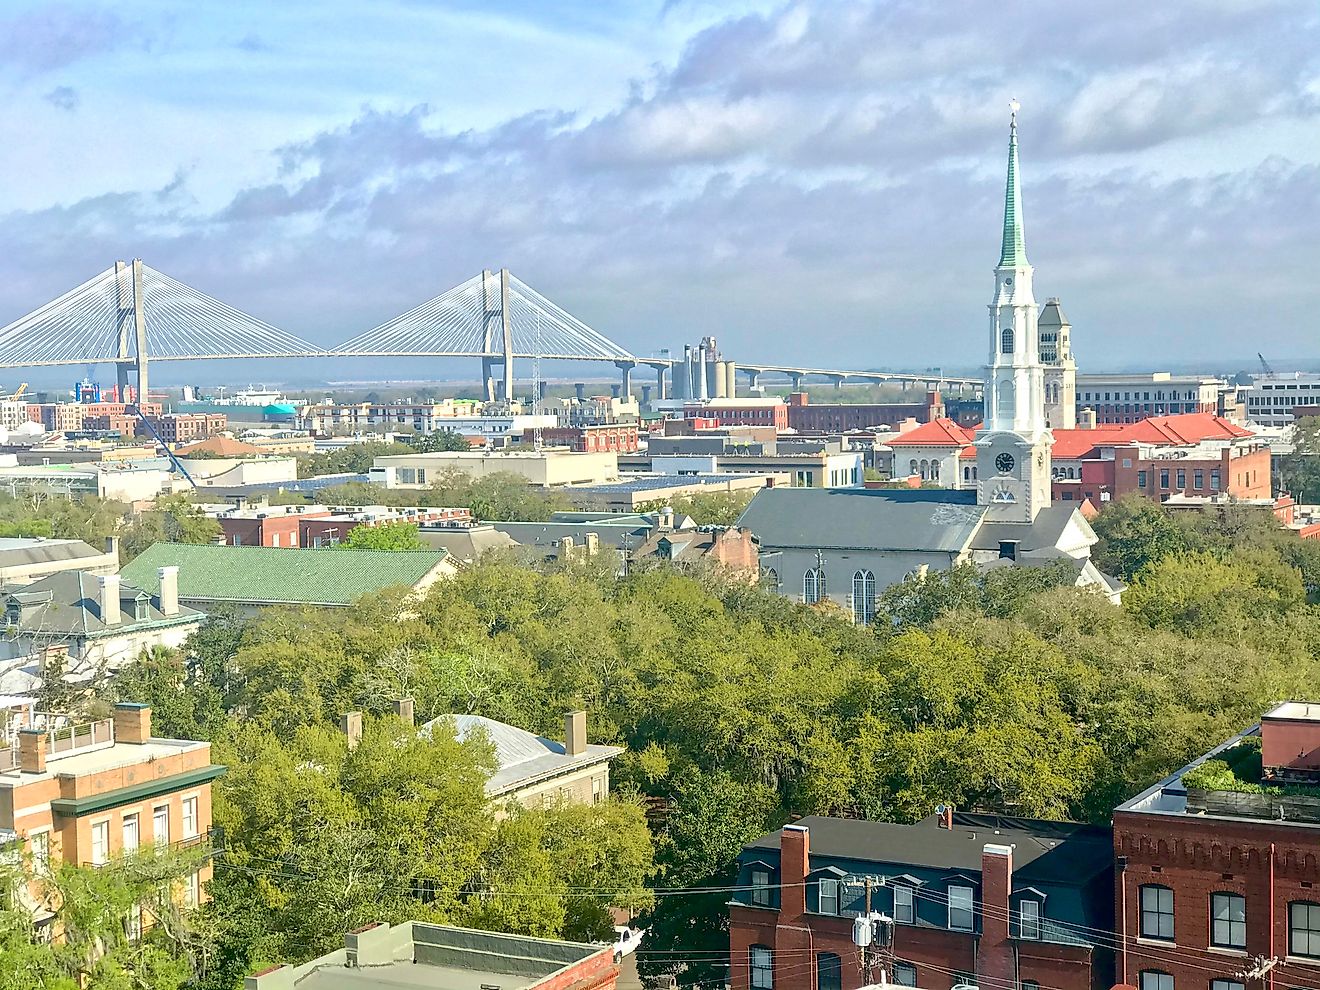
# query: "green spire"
[[1014, 252]]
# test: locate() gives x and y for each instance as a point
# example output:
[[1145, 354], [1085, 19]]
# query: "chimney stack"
[[169, 590], [112, 547], [995, 951], [794, 866], [350, 724], [109, 603], [404, 709], [591, 542], [945, 811], [575, 733], [132, 723], [32, 750]]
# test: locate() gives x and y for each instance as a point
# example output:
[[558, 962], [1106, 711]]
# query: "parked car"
[[626, 940]]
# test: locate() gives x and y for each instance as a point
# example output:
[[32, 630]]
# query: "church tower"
[[1013, 444], [1060, 368]]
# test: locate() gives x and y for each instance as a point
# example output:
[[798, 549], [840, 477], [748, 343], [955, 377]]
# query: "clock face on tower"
[[1004, 463]]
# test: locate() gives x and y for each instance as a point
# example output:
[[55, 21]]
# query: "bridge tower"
[[495, 320], [131, 323]]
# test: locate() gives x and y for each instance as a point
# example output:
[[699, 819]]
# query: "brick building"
[[740, 412], [1011, 902], [1211, 875], [619, 437], [187, 427], [125, 424], [843, 417], [318, 525], [102, 790], [728, 548]]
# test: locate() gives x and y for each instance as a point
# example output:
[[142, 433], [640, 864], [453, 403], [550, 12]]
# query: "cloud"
[[64, 97], [55, 35], [824, 179]]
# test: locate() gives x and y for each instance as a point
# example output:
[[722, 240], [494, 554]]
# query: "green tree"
[[1299, 470], [440, 440], [1135, 531], [388, 536], [173, 519], [355, 458]]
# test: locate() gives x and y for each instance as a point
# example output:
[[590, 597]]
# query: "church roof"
[[939, 520], [1043, 534], [1051, 315], [1013, 254]]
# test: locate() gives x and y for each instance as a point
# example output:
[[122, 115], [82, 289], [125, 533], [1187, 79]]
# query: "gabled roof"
[[941, 432], [282, 575], [941, 520], [521, 757], [221, 447], [1184, 429], [22, 552], [68, 604]]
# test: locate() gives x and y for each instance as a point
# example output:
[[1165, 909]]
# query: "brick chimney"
[[108, 602], [404, 709], [169, 590], [995, 950], [132, 722], [32, 750], [350, 724], [945, 811], [575, 733], [794, 865]]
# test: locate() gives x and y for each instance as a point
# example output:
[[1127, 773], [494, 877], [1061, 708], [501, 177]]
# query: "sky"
[[814, 182]]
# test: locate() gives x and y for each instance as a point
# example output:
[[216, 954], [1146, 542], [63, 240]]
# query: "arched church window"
[[1007, 405], [1006, 340]]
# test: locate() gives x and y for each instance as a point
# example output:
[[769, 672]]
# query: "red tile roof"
[[937, 433], [1187, 428]]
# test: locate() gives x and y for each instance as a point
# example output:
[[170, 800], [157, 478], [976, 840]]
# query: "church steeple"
[[1013, 254], [1013, 445]]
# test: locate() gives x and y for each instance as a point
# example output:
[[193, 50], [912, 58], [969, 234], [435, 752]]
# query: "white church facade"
[[848, 545]]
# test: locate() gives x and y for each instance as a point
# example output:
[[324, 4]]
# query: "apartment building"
[[188, 427], [1274, 401], [1217, 864], [87, 791], [845, 417], [974, 899]]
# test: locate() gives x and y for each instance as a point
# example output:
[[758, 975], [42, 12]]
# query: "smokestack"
[[350, 724], [169, 590], [575, 733], [404, 709], [109, 602]]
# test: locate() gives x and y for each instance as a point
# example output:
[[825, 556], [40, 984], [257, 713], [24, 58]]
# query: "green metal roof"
[[280, 575], [92, 803], [1013, 254]]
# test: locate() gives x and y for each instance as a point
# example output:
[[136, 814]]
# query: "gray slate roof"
[[521, 756], [465, 544], [1060, 852], [68, 604], [863, 519], [22, 551], [1043, 534]]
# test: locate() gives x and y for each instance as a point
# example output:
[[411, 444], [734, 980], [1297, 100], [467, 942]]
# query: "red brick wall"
[[1269, 864]]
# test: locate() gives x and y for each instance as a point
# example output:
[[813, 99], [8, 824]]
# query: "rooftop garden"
[[1234, 784]]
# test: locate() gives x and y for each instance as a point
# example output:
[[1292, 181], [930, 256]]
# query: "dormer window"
[[141, 609], [1029, 919], [760, 893]]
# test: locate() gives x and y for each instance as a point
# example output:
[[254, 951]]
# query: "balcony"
[[63, 737]]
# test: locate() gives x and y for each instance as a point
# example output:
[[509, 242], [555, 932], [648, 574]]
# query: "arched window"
[[967, 474], [829, 971], [925, 470], [863, 597], [934, 470], [770, 579], [1007, 405], [914, 466], [1006, 340], [1154, 979], [813, 585], [1228, 920], [1156, 912], [1304, 929]]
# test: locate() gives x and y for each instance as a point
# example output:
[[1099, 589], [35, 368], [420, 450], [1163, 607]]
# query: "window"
[[1228, 921], [1030, 985], [813, 585], [1157, 912], [192, 891], [904, 913], [1198, 479], [762, 965], [100, 843], [1304, 929], [140, 610], [1214, 480], [863, 595], [1029, 918], [905, 974], [1006, 340], [960, 909], [160, 825], [829, 972], [597, 790], [41, 851], [1141, 479], [771, 579], [1153, 979], [760, 886], [130, 833], [190, 818], [827, 901], [1182, 478], [1226, 985], [1164, 478]]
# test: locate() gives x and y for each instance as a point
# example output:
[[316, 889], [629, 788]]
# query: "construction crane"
[[174, 461], [1265, 366]]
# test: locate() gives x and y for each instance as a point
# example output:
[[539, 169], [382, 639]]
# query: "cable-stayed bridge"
[[132, 315]]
